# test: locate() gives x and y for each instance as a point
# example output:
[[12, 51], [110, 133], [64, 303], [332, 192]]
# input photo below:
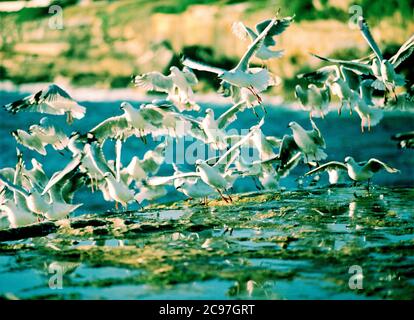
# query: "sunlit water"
[[298, 245]]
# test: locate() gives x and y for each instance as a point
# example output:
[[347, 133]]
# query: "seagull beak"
[[179, 187]]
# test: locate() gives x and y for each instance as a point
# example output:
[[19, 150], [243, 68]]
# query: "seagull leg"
[[222, 196], [362, 125], [368, 186], [369, 122], [116, 205], [227, 193], [340, 108]]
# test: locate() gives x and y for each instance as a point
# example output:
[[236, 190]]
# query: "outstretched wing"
[[403, 53], [202, 66], [230, 115], [157, 181], [32, 103], [155, 81], [288, 149], [72, 166], [243, 65], [278, 27], [13, 187], [316, 135], [333, 165], [376, 165], [366, 33], [321, 75], [356, 66], [113, 128]]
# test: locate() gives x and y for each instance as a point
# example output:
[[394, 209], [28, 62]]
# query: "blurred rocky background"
[[103, 43]]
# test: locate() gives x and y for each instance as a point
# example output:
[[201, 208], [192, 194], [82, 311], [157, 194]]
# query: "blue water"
[[342, 134]]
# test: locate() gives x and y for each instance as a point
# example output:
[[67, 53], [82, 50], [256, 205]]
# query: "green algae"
[[271, 241]]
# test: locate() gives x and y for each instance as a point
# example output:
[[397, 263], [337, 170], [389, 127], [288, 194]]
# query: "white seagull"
[[52, 100], [357, 171], [256, 80]]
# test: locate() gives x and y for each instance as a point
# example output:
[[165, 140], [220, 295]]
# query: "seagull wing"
[[13, 187], [403, 53], [97, 157], [113, 128], [228, 155], [155, 81], [190, 76], [59, 100], [277, 28], [243, 65], [366, 33], [32, 103], [157, 181], [333, 165], [357, 67], [321, 75], [30, 141], [242, 32], [375, 165], [288, 149], [72, 166], [316, 135], [352, 79], [230, 115], [202, 66]]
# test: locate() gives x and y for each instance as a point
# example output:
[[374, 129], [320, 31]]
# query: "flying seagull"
[[310, 143], [51, 100], [357, 171], [255, 80], [178, 85], [264, 52]]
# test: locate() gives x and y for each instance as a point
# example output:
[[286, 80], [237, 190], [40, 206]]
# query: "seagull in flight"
[[264, 52], [178, 85], [254, 79], [51, 100], [357, 171], [217, 176], [311, 143]]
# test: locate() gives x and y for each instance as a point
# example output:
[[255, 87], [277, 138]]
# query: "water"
[[295, 244]]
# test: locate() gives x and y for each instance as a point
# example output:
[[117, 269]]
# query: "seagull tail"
[[319, 155]]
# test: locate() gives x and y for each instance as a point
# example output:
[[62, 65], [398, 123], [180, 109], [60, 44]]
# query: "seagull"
[[195, 188], [256, 80], [388, 77], [139, 170], [381, 70], [365, 107], [342, 82], [213, 128], [178, 85], [264, 52], [310, 143], [40, 136], [148, 192], [357, 171], [217, 176], [118, 190], [313, 99], [405, 139], [51, 100]]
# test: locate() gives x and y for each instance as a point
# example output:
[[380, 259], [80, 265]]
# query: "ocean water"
[[342, 135]]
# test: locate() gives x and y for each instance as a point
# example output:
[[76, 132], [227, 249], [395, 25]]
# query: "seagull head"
[[125, 105], [199, 162], [174, 69], [293, 125], [349, 159], [209, 112]]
